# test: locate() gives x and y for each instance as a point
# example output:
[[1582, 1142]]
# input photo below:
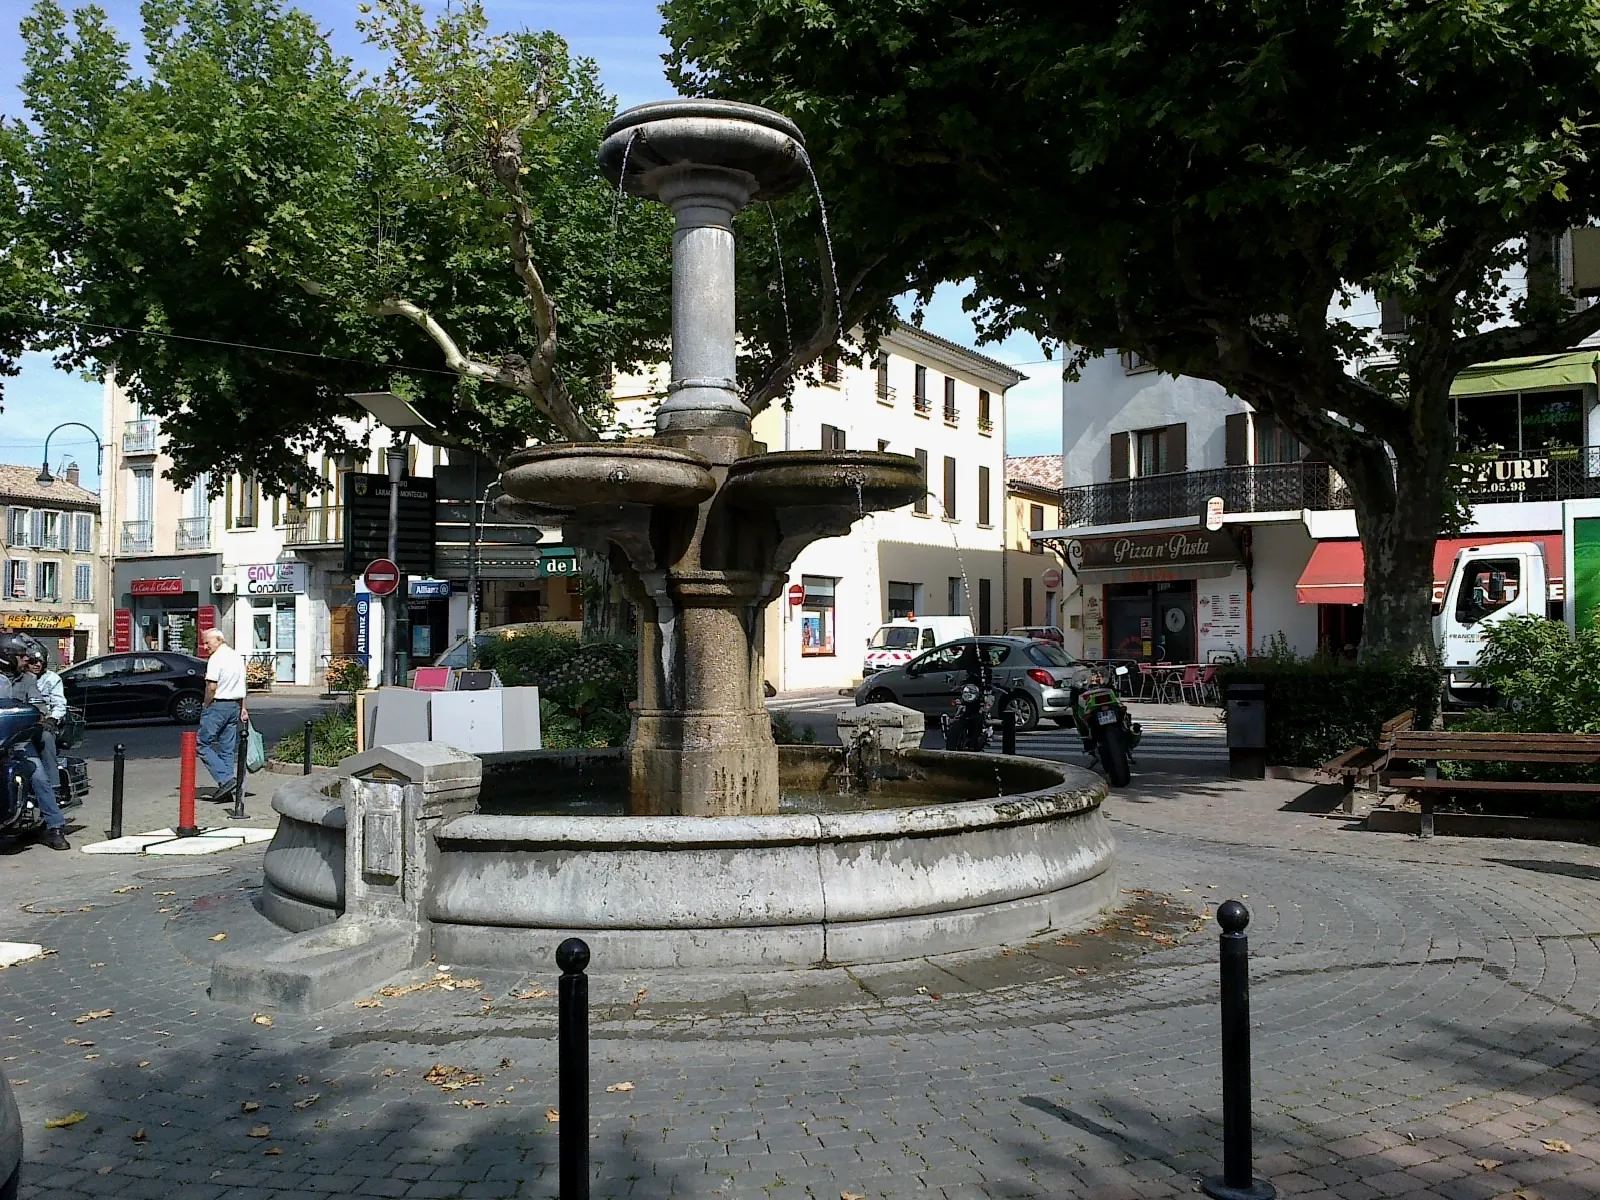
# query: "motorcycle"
[[968, 727], [20, 723], [1109, 732]]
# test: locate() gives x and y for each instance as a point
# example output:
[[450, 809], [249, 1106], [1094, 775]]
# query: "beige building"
[[1036, 578], [53, 566]]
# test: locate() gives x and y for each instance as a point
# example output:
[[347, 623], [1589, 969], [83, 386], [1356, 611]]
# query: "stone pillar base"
[[702, 764]]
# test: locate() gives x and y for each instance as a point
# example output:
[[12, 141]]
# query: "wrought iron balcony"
[[315, 527], [885, 393], [139, 437], [1274, 488], [194, 533], [985, 425], [951, 413], [138, 537], [921, 404]]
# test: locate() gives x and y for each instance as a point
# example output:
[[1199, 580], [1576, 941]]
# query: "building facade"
[[1037, 584], [1198, 529], [922, 396], [53, 562]]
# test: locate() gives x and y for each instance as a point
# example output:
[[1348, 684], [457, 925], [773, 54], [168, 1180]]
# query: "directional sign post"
[[382, 577]]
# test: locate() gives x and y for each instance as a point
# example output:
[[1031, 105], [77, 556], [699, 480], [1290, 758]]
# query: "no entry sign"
[[381, 577], [797, 595], [1052, 579]]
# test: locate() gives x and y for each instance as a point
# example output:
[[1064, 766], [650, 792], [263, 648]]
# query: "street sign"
[[366, 523], [1214, 513], [797, 595], [381, 577], [1052, 579]]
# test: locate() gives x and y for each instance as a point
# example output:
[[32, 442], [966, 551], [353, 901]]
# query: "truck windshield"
[[1487, 585], [895, 637]]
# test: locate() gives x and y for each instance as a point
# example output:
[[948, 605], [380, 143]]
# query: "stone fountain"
[[700, 523], [416, 850]]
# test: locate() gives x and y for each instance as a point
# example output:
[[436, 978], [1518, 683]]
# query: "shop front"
[[1169, 597], [58, 633], [163, 603], [276, 594], [428, 615]]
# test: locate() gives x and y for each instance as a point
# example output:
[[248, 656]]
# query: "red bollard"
[[186, 825]]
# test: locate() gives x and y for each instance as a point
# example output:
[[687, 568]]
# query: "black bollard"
[[1008, 730], [119, 766], [240, 753], [309, 738], [1237, 1181], [572, 1053]]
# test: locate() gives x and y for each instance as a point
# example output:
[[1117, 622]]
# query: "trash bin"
[[1247, 730]]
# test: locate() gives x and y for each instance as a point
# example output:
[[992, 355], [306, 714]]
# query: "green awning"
[[1526, 374]]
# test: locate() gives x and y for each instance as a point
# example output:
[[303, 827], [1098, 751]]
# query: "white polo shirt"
[[225, 668]]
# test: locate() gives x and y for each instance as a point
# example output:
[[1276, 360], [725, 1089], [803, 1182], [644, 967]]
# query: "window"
[[1132, 364], [17, 527], [1487, 585], [949, 488], [903, 601], [199, 500], [36, 528], [985, 420], [986, 608], [950, 413], [83, 533], [1154, 452], [944, 658], [919, 395], [816, 616], [1274, 443], [52, 531], [885, 392], [921, 503], [883, 445], [102, 668], [148, 666], [830, 367], [83, 582], [144, 493], [1046, 654], [983, 496], [955, 596], [243, 502], [1027, 600], [47, 581], [1520, 423], [833, 438], [17, 579], [1036, 525]]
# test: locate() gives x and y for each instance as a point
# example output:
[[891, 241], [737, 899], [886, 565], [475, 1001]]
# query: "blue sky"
[[623, 37]]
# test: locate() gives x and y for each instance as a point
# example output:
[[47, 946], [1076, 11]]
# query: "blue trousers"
[[219, 740], [45, 776]]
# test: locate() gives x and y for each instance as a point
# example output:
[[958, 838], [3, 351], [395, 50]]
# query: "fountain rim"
[[703, 109]]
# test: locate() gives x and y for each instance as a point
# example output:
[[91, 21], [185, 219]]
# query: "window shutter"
[[1119, 455], [1392, 319], [983, 495], [921, 503], [950, 487], [1178, 447], [1237, 453], [36, 528]]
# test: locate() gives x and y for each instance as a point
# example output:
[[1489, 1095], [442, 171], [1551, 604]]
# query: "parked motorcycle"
[[20, 723], [967, 728], [1109, 732]]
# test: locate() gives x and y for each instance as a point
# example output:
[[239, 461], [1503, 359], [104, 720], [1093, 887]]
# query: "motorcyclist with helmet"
[[52, 706], [17, 684]]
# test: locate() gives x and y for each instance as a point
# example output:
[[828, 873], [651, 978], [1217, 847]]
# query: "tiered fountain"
[[702, 866]]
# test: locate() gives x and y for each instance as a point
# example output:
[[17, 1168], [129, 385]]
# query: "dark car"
[[10, 1142], [1039, 678], [143, 686]]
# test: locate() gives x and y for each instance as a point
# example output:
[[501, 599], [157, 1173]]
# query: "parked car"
[[1040, 633], [10, 1142], [1039, 679], [146, 685]]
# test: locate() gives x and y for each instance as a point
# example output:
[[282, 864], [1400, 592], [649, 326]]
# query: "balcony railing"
[[921, 404], [1509, 478], [194, 533], [139, 437], [1274, 488], [951, 413], [138, 537], [315, 527], [885, 393], [985, 425]]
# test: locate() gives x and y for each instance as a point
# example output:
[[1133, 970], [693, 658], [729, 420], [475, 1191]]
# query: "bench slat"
[[1411, 783], [1585, 759]]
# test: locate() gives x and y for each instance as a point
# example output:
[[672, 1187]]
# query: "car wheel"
[[9, 1189], [186, 708], [1024, 710], [880, 696]]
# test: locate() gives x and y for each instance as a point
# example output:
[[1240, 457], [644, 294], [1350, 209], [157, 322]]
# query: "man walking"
[[219, 723]]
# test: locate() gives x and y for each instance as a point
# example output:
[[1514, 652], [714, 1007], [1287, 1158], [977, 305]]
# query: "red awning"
[[1335, 572]]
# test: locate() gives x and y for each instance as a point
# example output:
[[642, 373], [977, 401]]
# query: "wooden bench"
[[1360, 764], [1432, 747]]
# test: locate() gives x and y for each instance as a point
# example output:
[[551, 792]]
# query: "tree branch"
[[776, 379], [1516, 340]]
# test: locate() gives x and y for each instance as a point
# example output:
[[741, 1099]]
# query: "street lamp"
[[394, 412], [44, 476], [472, 560]]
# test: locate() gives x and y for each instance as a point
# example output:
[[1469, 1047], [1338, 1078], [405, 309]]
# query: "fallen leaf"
[[624, 1086], [75, 1042], [473, 1103], [163, 910], [90, 1057], [138, 1135], [302, 1079], [142, 1063], [72, 1118], [96, 1014], [449, 1078], [261, 1019], [505, 1064], [132, 887], [537, 993], [250, 1106], [219, 937], [163, 893], [302, 1105], [369, 1002], [388, 1072], [1557, 1145], [106, 1170], [97, 964], [852, 1196], [1488, 1164], [639, 999], [272, 1150], [260, 1131], [552, 1115]]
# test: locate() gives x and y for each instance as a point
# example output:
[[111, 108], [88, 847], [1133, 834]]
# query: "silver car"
[[1039, 679]]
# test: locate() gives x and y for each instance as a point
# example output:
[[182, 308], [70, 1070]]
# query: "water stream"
[[783, 280], [827, 237], [961, 562]]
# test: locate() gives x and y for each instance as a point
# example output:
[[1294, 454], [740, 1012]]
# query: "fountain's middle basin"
[[745, 893]]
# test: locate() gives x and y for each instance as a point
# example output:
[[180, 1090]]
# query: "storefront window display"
[[272, 629], [817, 616]]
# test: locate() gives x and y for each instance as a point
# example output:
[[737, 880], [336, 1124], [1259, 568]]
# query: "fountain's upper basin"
[[574, 474], [856, 480], [669, 135]]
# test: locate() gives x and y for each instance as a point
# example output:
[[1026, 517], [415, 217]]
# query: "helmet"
[[35, 654], [14, 648]]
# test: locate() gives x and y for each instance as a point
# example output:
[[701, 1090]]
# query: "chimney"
[[72, 474]]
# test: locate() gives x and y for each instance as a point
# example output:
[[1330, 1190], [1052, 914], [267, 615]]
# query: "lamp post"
[[472, 560], [44, 476]]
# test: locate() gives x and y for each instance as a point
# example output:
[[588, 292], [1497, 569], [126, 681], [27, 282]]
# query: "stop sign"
[[797, 595], [1052, 579], [381, 577]]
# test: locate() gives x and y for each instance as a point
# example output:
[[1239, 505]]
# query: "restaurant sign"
[[39, 621], [1160, 550], [156, 587]]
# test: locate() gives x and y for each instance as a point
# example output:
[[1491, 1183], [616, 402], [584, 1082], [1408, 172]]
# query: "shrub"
[[584, 690], [1319, 708], [348, 675], [1545, 681], [333, 737], [785, 734]]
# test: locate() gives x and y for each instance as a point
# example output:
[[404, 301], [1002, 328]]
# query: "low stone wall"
[[303, 884]]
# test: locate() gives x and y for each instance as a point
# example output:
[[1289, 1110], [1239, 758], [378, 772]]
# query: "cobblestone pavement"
[[1422, 1010]]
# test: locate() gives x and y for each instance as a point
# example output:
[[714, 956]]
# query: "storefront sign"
[[550, 565], [274, 579], [53, 621], [1214, 510], [429, 589], [204, 620], [1158, 550], [122, 631], [156, 587], [1504, 476], [363, 607]]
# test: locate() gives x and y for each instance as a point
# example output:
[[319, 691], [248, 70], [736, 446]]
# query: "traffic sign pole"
[[394, 670]]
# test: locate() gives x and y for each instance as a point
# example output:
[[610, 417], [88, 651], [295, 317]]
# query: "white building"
[[925, 397], [1144, 453]]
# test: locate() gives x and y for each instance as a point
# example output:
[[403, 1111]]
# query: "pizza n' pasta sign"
[[1156, 550]]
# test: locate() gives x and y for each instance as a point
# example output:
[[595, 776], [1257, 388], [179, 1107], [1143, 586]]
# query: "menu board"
[[1093, 629], [1220, 614]]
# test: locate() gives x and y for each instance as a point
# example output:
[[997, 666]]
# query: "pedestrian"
[[52, 706], [224, 712]]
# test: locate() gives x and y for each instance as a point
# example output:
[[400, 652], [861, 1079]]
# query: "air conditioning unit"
[[224, 585]]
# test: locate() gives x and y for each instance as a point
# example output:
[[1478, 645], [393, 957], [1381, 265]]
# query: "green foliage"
[[1319, 708], [333, 738], [584, 690], [785, 734], [345, 675], [246, 186], [1544, 680]]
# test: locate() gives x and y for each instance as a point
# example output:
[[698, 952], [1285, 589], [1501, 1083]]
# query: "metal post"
[[1008, 730], [240, 753], [572, 1053], [1237, 1181], [189, 741], [309, 739], [119, 765], [478, 507], [393, 675]]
